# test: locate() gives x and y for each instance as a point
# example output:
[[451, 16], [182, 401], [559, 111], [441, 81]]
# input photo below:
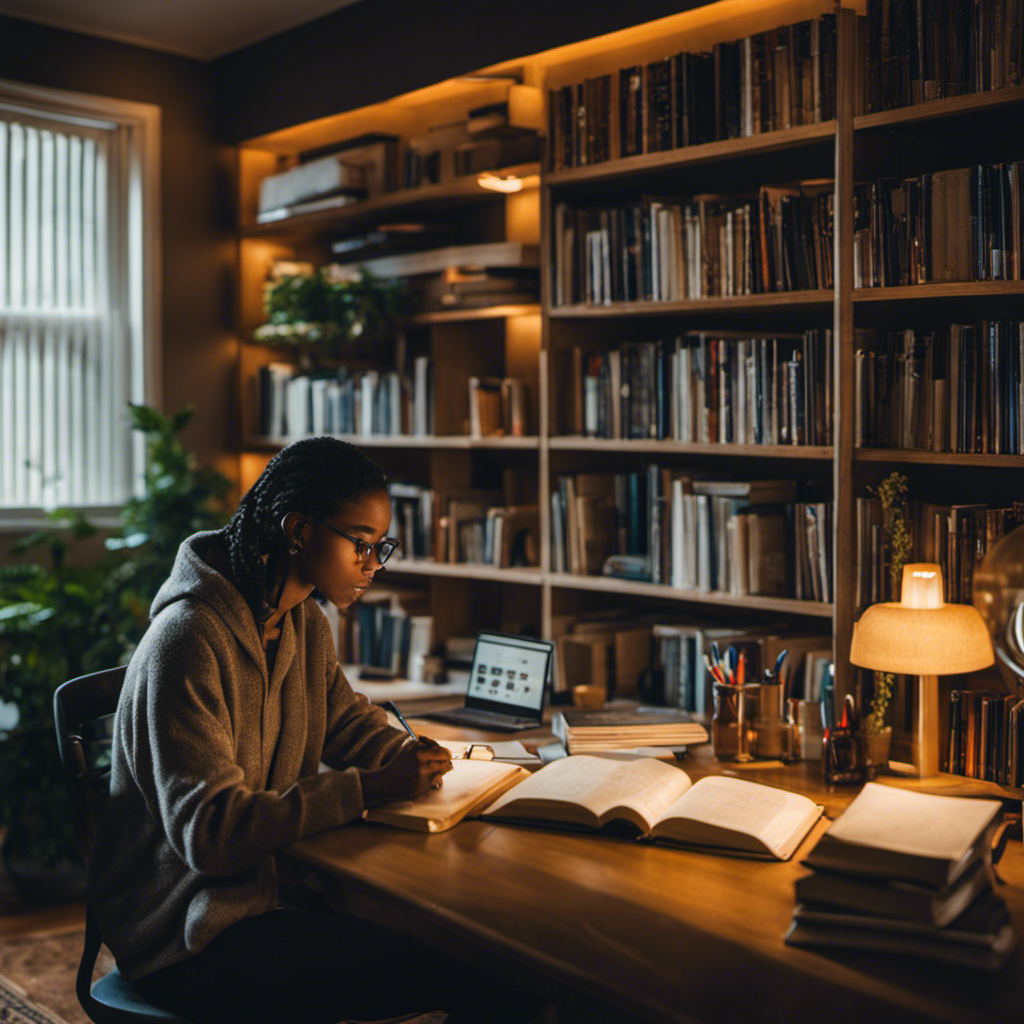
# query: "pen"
[[390, 705]]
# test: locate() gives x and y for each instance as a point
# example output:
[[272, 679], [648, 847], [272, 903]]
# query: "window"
[[78, 324]]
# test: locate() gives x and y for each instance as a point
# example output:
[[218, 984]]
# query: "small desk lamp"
[[922, 636]]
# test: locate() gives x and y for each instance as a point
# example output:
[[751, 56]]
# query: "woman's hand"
[[413, 769]]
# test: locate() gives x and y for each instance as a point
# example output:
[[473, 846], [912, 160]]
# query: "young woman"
[[231, 701]]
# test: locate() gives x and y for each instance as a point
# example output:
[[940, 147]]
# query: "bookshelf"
[[850, 147]]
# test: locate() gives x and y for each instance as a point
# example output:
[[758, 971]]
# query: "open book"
[[659, 800], [468, 788]]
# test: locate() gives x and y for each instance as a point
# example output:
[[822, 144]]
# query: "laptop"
[[506, 686]]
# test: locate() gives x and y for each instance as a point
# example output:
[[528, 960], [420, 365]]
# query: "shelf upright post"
[[543, 411], [843, 533]]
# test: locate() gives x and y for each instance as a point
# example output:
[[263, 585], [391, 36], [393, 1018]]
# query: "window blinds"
[[64, 350]]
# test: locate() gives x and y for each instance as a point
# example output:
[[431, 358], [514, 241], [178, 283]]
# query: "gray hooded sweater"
[[215, 766]]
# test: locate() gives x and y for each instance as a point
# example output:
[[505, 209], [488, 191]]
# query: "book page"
[[467, 787], [722, 811], [601, 786], [944, 827]]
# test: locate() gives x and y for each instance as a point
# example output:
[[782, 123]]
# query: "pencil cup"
[[805, 731], [732, 733], [772, 732]]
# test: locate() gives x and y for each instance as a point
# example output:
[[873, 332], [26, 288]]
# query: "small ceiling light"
[[511, 183]]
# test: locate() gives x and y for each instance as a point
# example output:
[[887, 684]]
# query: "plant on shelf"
[[892, 493], [335, 311], [62, 617]]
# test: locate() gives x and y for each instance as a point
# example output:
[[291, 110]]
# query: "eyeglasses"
[[384, 548]]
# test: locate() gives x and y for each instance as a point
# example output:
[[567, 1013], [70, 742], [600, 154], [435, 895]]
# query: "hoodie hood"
[[193, 579]]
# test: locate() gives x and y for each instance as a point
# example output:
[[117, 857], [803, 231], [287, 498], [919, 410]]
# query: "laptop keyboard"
[[472, 715]]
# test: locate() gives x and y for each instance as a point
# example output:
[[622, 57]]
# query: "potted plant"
[[334, 312], [892, 493], [63, 619]]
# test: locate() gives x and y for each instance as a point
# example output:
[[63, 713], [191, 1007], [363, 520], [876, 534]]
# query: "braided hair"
[[318, 476]]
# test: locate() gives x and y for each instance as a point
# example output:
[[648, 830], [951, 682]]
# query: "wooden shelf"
[[708, 151], [765, 451], [770, 300], [455, 316], [952, 106], [466, 570], [255, 443], [444, 194], [613, 585], [939, 290], [938, 458]]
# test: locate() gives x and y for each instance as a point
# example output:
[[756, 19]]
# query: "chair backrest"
[[83, 710]]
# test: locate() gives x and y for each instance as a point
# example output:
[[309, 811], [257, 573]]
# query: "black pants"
[[293, 966]]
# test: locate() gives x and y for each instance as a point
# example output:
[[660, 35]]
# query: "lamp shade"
[[921, 635], [921, 641]]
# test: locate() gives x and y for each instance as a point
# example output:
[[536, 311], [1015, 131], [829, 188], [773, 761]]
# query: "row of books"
[[719, 387], [956, 537], [663, 525], [389, 634], [471, 526], [682, 679], [667, 250], [768, 81], [907, 873], [498, 406], [926, 51], [964, 224], [955, 389], [293, 404], [986, 736]]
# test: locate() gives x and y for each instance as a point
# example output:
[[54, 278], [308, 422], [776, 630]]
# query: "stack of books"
[[908, 873], [584, 732]]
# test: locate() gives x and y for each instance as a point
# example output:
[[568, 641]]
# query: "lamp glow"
[[511, 183]]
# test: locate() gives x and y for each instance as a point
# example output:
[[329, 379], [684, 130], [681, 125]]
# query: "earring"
[[294, 549]]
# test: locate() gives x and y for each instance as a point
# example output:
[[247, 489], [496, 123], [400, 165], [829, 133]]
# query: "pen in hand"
[[390, 705]]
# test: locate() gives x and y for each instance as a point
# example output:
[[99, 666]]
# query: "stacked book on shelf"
[[672, 249], [626, 728], [765, 82], [927, 51], [664, 525], [957, 537], [986, 736], [955, 389], [963, 224], [455, 277], [907, 873], [468, 527], [342, 401], [708, 387]]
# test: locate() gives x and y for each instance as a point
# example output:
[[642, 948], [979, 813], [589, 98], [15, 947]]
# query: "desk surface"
[[666, 934]]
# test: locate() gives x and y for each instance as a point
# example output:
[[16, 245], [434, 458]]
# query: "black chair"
[[83, 711]]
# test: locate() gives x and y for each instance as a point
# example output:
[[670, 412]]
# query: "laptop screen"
[[509, 675]]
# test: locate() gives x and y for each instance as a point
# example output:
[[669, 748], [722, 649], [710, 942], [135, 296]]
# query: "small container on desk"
[[732, 727]]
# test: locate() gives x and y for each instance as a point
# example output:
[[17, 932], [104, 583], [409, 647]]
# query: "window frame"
[[138, 147]]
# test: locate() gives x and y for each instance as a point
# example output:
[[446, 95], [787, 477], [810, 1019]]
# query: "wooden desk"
[[658, 934]]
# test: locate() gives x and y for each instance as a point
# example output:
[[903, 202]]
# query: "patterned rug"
[[37, 978], [17, 1008]]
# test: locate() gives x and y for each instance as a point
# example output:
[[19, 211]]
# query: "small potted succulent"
[[892, 493]]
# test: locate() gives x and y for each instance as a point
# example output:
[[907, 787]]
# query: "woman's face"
[[329, 562]]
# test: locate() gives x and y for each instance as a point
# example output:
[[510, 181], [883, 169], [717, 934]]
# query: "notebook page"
[[599, 784], [763, 811]]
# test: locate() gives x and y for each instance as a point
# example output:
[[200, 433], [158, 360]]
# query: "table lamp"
[[923, 636]]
